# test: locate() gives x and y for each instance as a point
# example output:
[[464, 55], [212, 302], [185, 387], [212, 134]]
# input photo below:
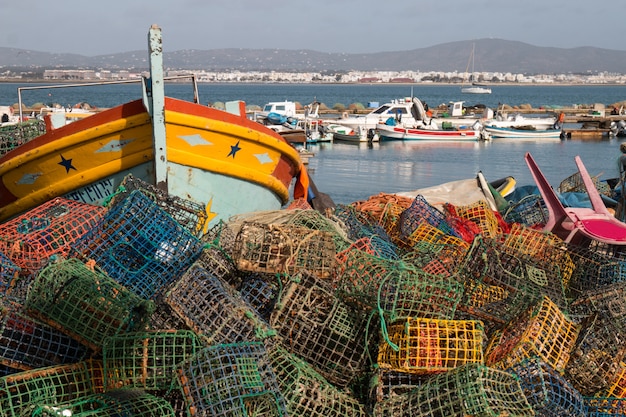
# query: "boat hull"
[[399, 133], [512, 133], [221, 160]]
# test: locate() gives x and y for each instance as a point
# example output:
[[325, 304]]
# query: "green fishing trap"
[[86, 304]]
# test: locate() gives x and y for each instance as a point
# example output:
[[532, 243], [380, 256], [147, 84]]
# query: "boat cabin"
[[284, 108]]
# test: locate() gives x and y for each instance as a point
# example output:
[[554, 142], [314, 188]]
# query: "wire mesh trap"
[[139, 245], [86, 304]]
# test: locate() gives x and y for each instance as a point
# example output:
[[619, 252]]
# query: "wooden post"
[[156, 99]]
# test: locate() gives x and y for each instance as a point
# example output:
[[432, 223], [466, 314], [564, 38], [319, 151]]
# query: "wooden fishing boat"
[[522, 133], [217, 158], [388, 132]]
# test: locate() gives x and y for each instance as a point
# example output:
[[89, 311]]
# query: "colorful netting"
[[139, 245], [315, 325], [469, 390], [10, 279], [548, 393], [430, 346], [478, 213], [306, 392], [214, 310], [27, 343], [192, 216], [543, 331], [13, 136], [529, 211], [30, 239], [285, 249], [86, 304], [232, 380], [421, 211], [605, 407], [146, 360]]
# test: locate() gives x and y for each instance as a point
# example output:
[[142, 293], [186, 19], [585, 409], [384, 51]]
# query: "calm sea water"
[[354, 172]]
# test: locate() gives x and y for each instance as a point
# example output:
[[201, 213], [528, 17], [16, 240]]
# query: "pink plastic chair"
[[575, 224]]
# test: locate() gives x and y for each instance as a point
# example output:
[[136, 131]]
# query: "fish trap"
[[122, 402], [215, 310], [542, 331], [544, 247], [387, 383], [30, 239], [261, 291], [22, 393], [191, 215], [315, 325], [231, 380], [87, 305], [306, 392], [412, 292], [469, 390], [15, 135], [437, 258], [478, 213], [314, 220], [593, 270], [27, 343], [530, 211], [605, 407], [215, 259], [596, 357], [139, 245], [421, 211], [425, 233], [274, 248], [146, 360], [10, 279], [430, 346], [548, 393], [607, 303], [496, 288], [574, 184], [359, 225]]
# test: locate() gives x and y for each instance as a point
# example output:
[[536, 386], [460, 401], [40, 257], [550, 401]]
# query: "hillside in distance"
[[492, 55]]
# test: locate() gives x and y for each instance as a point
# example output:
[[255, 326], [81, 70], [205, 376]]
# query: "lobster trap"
[[314, 220], [426, 233], [123, 402], [275, 248], [421, 211], [10, 279], [387, 383], [596, 357], [22, 393], [12, 136], [139, 245], [27, 343], [530, 211], [315, 325], [468, 390], [87, 305], [574, 184], [478, 213], [146, 360], [548, 393], [605, 406], [543, 331], [261, 291], [191, 215], [306, 392], [231, 379], [30, 239], [430, 346], [214, 310]]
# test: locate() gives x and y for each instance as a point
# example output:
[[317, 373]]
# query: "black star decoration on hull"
[[233, 150], [67, 164]]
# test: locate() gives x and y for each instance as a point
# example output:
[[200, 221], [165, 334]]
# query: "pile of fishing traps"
[[385, 307]]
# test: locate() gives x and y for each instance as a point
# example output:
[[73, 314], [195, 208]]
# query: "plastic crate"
[[192, 216], [288, 249], [139, 245], [318, 327], [123, 402], [543, 331], [215, 310], [30, 239], [548, 393], [231, 380], [430, 346], [86, 304], [147, 360], [306, 392], [21, 393], [469, 390], [27, 343]]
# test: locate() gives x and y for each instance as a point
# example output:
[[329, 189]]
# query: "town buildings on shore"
[[342, 77]]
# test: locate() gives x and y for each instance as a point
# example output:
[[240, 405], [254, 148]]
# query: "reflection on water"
[[351, 172]]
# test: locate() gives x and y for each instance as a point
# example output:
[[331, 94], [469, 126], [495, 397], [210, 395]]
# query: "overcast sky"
[[98, 27]]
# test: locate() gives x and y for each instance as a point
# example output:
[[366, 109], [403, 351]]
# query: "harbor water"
[[350, 173]]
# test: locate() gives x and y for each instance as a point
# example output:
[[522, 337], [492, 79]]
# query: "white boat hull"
[[400, 133], [505, 132]]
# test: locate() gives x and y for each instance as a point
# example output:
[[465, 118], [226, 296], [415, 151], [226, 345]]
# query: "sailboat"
[[474, 88]]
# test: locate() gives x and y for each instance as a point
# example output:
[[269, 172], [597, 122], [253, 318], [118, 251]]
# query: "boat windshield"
[[381, 110]]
